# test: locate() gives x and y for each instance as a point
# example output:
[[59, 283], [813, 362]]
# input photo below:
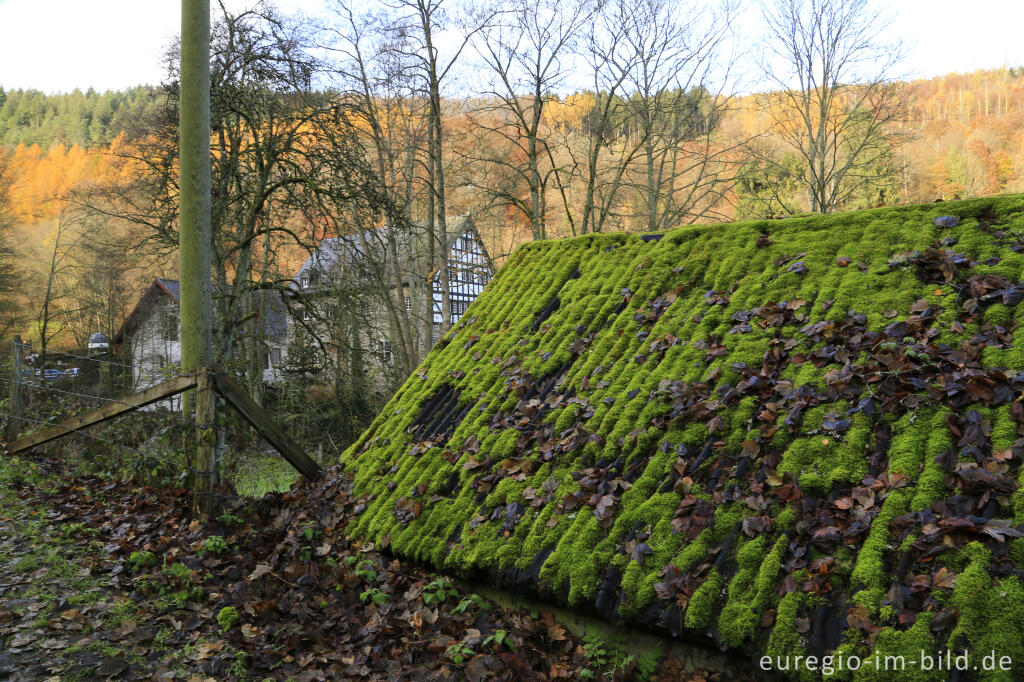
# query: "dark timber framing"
[[468, 274]]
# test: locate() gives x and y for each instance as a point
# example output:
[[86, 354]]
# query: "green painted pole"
[[194, 225]]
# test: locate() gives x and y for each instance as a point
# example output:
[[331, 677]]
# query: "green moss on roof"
[[787, 437]]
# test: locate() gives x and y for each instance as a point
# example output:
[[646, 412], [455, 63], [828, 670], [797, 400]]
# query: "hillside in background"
[[968, 130], [83, 119], [786, 438], [966, 139]]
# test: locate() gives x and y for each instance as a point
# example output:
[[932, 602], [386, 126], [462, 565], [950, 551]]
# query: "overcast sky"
[[59, 45]]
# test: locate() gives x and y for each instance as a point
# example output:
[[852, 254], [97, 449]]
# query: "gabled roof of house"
[[157, 290], [332, 249], [273, 312], [791, 437], [171, 287]]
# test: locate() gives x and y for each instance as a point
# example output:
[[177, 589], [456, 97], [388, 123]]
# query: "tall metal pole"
[[194, 228]]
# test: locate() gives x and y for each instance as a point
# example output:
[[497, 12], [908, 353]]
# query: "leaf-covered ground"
[[103, 580], [793, 438]]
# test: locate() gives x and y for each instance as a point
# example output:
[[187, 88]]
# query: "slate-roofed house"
[[782, 438], [469, 270], [152, 334]]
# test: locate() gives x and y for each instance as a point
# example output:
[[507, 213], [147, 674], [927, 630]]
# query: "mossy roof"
[[787, 437]]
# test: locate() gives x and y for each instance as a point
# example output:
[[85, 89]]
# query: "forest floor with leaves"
[[103, 579]]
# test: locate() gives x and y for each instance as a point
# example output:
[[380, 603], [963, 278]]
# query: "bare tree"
[[610, 60], [54, 314], [102, 279], [658, 73], [265, 104], [380, 91], [678, 100], [529, 47], [415, 27], [838, 101]]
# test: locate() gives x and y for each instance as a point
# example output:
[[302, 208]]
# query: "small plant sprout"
[[141, 559], [179, 571], [374, 594], [500, 638], [458, 653], [438, 590], [471, 600], [228, 519], [215, 544], [366, 570]]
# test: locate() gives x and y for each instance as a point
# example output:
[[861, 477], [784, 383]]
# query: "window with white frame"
[[384, 348]]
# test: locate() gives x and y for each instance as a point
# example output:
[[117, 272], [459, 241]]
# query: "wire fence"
[[152, 444]]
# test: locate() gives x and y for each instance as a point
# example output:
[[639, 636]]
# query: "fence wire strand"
[[79, 357], [161, 416], [248, 460]]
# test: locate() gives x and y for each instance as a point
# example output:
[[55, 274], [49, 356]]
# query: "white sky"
[[59, 45]]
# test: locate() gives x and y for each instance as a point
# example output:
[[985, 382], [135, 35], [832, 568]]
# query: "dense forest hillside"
[[966, 134], [85, 119], [962, 136]]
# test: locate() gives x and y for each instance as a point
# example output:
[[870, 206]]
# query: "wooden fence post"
[[206, 444], [15, 406], [235, 396]]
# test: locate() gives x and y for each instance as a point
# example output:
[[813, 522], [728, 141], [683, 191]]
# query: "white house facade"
[[152, 336]]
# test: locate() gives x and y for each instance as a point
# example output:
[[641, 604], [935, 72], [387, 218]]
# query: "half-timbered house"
[[351, 267]]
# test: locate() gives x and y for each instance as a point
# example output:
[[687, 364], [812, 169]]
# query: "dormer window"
[[305, 280]]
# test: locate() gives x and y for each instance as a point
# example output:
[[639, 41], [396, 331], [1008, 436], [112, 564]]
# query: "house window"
[[170, 323], [408, 304], [452, 274], [458, 307], [384, 348], [305, 281], [275, 356]]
